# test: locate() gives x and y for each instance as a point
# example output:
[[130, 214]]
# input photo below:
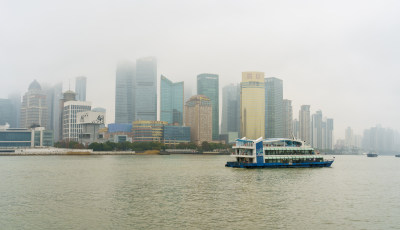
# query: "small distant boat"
[[372, 155], [398, 155]]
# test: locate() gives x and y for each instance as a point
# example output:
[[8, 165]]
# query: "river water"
[[195, 192]]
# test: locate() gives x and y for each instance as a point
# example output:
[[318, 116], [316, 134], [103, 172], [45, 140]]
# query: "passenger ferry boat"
[[275, 153]]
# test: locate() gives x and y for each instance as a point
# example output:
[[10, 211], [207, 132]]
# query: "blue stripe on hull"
[[279, 165]]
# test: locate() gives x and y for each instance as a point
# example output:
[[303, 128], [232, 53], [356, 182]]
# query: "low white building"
[[91, 122]]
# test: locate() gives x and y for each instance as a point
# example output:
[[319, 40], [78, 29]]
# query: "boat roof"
[[244, 139]]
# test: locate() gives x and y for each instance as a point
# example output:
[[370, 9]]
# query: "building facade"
[[208, 85], [316, 130], [71, 129], [91, 122], [198, 116], [145, 89], [296, 129], [304, 124], [174, 135], [80, 88], [274, 119], [148, 131], [34, 107], [287, 119], [252, 105], [124, 92], [329, 133], [15, 99], [171, 101], [8, 113], [230, 109], [54, 96], [25, 138]]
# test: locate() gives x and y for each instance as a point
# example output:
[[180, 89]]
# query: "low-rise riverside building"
[[25, 138], [174, 135], [148, 131]]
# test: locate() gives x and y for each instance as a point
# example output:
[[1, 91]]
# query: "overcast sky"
[[342, 57]]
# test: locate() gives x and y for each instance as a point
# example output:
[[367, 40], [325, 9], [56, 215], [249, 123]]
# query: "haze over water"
[[195, 192]]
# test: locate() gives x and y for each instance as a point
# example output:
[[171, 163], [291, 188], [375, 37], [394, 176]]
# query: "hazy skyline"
[[340, 57]]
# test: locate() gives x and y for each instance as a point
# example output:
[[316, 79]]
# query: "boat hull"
[[234, 164]]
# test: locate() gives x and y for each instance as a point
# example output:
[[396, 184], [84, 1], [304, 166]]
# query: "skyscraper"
[[287, 119], [7, 113], [34, 107], [171, 101], [349, 137], [273, 108], [296, 129], [316, 130], [80, 88], [15, 99], [329, 133], [53, 98], [124, 93], [146, 89], [208, 85], [198, 116], [230, 109], [304, 124], [252, 105]]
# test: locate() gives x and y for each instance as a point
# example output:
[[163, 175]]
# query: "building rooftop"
[[35, 86]]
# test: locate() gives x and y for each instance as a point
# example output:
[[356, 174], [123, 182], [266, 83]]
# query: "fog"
[[341, 57]]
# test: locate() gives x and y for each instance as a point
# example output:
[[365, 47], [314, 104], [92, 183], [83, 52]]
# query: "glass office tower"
[[274, 122], [208, 85], [171, 101], [124, 93], [146, 89]]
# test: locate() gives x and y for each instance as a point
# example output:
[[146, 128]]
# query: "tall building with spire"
[[208, 85], [146, 89], [124, 93], [34, 107], [80, 88], [171, 101], [252, 105]]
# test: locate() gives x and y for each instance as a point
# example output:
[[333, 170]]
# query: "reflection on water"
[[194, 191]]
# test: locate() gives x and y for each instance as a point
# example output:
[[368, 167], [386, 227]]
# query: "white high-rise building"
[[70, 127]]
